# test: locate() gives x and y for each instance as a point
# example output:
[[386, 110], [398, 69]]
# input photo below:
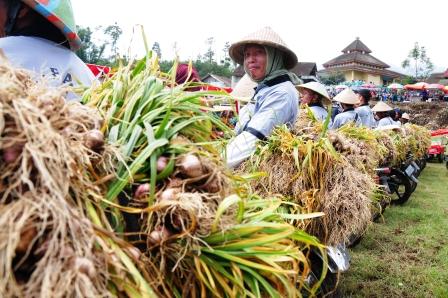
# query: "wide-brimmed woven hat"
[[263, 37], [395, 127], [406, 116], [244, 89], [382, 107], [318, 88], [347, 96]]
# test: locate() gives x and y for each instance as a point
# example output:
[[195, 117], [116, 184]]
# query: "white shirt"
[[56, 63], [346, 117], [386, 121], [273, 106], [366, 115], [320, 113]]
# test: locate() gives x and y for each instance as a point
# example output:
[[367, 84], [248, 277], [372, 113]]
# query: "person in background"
[[382, 113], [185, 74], [266, 59], [347, 100], [396, 115], [404, 118], [316, 97], [40, 36], [363, 109]]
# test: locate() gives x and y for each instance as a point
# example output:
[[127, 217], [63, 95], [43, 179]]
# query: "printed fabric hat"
[[406, 116], [263, 37], [244, 89], [318, 88], [347, 96], [60, 14], [382, 107]]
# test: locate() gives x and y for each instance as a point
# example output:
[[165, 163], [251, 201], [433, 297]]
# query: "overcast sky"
[[316, 30]]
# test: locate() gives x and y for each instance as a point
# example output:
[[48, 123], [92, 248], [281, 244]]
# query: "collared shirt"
[[57, 64], [347, 116], [366, 116], [318, 111], [386, 121], [273, 106]]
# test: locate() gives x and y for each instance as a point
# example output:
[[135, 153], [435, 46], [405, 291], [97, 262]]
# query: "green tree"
[[89, 52], [226, 58], [97, 43], [157, 50], [333, 78], [114, 33], [210, 53], [418, 62]]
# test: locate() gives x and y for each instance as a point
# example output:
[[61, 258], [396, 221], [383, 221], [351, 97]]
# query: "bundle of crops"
[[387, 147], [305, 167], [173, 198], [53, 241], [418, 139], [359, 145]]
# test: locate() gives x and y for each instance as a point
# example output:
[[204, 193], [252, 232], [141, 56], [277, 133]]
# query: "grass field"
[[405, 254]]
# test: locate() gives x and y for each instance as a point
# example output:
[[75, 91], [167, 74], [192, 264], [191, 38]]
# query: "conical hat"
[[263, 37], [318, 88], [381, 107], [405, 116], [347, 96], [244, 89]]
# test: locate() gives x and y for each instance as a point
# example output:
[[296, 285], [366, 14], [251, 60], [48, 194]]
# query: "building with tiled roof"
[[357, 64]]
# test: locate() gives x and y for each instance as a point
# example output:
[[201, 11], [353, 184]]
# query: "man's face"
[[255, 60]]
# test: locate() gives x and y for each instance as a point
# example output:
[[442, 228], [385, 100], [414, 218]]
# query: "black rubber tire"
[[447, 164], [423, 163], [440, 158], [401, 187]]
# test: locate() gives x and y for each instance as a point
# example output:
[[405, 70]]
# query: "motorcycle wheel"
[[423, 163], [329, 286], [400, 186]]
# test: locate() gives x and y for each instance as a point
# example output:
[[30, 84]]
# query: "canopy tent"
[[417, 86], [395, 86], [435, 86]]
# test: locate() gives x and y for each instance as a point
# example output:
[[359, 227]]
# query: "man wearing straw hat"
[[363, 109], [405, 118], [266, 60], [347, 99], [41, 36], [316, 97], [382, 111]]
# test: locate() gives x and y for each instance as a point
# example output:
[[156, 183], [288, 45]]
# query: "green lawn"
[[405, 255]]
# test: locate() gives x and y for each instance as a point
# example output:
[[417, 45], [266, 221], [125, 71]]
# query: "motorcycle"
[[335, 262], [396, 183]]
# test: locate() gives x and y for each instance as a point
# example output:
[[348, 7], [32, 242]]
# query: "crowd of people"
[[41, 36]]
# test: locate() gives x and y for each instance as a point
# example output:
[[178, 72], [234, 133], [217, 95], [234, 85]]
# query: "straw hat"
[[389, 127], [244, 89], [406, 116], [382, 107], [263, 37], [318, 88], [347, 96]]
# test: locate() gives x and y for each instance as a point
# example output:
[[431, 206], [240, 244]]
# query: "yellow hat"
[[244, 89], [264, 37], [318, 88], [382, 107], [347, 96]]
